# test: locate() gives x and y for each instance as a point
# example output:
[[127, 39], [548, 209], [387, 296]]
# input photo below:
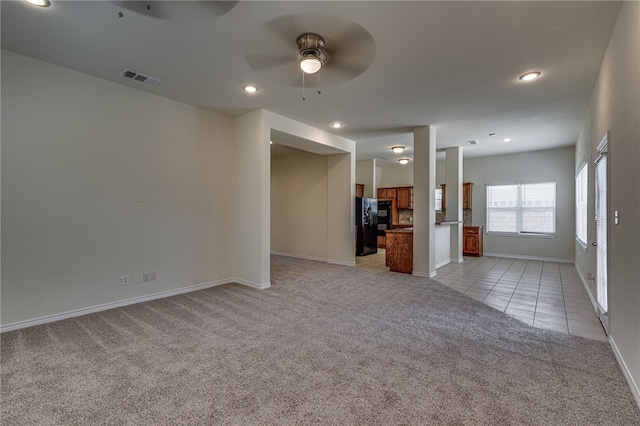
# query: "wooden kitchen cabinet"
[[382, 241], [386, 193], [399, 251], [404, 197], [359, 190], [467, 190], [467, 198], [472, 244]]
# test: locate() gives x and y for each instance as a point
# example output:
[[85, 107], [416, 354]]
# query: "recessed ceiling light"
[[41, 3], [403, 161], [336, 125], [530, 76], [250, 89], [506, 140], [397, 149]]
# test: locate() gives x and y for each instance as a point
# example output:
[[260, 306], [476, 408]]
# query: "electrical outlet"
[[137, 278], [153, 276], [123, 280], [146, 277]]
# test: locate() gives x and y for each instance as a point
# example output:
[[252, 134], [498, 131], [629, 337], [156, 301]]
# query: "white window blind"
[[601, 232], [581, 205], [522, 209]]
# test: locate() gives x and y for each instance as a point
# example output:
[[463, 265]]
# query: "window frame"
[[519, 211]]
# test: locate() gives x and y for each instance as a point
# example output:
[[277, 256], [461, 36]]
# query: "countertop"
[[449, 222], [399, 230]]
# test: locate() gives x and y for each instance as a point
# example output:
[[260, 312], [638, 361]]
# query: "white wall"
[[75, 151], [615, 107], [536, 166], [396, 175], [299, 197], [366, 175]]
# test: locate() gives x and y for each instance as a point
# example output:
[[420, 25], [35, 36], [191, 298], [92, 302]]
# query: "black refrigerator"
[[367, 224]]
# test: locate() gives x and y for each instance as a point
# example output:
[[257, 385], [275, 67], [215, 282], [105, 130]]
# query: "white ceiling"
[[453, 65]]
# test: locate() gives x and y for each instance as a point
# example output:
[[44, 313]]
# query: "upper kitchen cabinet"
[[467, 198], [467, 189], [404, 197], [386, 193]]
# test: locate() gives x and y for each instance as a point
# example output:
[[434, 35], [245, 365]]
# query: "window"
[[522, 209], [581, 206], [439, 199]]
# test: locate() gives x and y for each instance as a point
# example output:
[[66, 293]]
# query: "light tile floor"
[[546, 295]]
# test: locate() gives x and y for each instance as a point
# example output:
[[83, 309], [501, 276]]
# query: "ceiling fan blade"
[[261, 61]]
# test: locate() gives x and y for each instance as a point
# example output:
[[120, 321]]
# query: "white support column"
[[424, 213], [454, 200], [252, 198]]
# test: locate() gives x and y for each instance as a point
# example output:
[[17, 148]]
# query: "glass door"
[[601, 234]]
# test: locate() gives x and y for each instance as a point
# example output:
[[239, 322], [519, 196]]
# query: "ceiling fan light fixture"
[[403, 161], [397, 149], [310, 64], [311, 53]]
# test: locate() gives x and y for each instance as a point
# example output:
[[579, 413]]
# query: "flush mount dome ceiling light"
[[530, 76], [41, 3], [336, 125], [250, 89], [311, 56], [403, 161], [397, 149]]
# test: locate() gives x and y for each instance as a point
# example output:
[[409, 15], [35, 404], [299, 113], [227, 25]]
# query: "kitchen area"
[[394, 228]]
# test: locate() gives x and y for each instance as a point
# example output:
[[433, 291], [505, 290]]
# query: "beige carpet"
[[326, 344]]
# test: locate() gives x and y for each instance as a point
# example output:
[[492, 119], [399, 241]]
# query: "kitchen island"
[[399, 247], [399, 250]]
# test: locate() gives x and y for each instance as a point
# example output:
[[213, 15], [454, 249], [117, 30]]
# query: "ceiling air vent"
[[472, 142], [141, 78]]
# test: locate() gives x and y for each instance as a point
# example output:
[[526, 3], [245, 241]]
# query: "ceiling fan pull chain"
[[148, 5], [303, 98], [120, 14]]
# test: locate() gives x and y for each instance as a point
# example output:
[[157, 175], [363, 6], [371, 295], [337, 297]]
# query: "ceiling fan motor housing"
[[310, 44]]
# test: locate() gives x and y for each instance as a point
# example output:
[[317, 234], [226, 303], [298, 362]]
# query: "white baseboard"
[[633, 386], [319, 259], [542, 259], [424, 274], [592, 298], [300, 256], [252, 284], [93, 309], [635, 390]]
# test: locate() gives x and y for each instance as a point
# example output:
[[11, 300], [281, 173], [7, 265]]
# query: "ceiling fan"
[[180, 10], [331, 48]]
